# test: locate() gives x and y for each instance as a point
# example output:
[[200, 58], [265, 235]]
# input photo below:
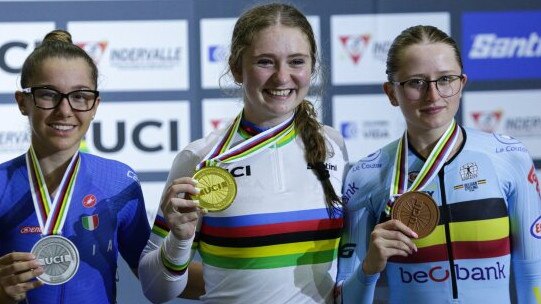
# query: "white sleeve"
[[163, 267], [159, 282]]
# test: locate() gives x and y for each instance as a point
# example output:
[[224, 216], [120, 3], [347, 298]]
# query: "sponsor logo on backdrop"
[[377, 129], [218, 53], [7, 51], [94, 49], [144, 135], [14, 140], [355, 45], [359, 43], [348, 129], [487, 121], [494, 50], [523, 126], [132, 57], [145, 58]]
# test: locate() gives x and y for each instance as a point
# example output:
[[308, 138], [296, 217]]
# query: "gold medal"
[[218, 188]]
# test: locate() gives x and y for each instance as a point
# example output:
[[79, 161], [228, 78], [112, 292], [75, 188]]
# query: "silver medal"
[[59, 258]]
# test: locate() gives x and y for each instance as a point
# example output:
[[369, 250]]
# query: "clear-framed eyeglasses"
[[48, 98], [416, 88]]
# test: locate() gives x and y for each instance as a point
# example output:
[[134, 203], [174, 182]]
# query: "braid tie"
[[321, 171]]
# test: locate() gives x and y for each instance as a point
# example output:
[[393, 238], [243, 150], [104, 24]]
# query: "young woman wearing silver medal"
[[440, 212], [64, 215], [280, 233]]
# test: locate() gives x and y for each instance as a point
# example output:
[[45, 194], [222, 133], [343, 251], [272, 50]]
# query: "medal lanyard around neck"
[[51, 215], [221, 152], [430, 169]]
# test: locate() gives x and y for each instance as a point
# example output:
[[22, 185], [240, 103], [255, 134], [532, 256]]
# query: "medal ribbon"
[[222, 154], [430, 169], [51, 215]]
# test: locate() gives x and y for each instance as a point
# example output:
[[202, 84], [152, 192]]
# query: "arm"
[[525, 215], [163, 268], [365, 246]]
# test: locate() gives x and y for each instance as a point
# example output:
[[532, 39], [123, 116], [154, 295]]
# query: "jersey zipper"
[[446, 219], [277, 168]]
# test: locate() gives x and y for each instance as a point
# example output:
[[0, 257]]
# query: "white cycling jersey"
[[275, 244]]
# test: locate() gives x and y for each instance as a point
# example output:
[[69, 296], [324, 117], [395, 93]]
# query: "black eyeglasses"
[[48, 98], [416, 88]]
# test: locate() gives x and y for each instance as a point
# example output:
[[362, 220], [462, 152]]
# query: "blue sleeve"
[[134, 229], [359, 221], [524, 201]]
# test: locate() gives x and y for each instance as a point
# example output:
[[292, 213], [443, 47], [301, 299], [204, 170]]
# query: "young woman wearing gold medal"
[[440, 212], [277, 241], [64, 215]]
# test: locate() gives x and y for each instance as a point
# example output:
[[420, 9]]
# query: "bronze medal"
[[418, 211], [218, 188]]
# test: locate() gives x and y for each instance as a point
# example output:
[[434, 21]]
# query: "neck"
[[53, 166], [425, 143]]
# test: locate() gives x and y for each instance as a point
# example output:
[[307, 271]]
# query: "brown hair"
[[416, 35], [306, 124], [56, 44]]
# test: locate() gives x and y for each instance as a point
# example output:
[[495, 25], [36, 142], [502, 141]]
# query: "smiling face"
[[275, 74], [432, 113], [60, 129]]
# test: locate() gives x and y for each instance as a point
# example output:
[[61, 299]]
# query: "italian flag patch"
[[90, 222]]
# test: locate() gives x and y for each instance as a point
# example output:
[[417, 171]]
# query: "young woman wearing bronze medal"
[[439, 213], [65, 215], [283, 227]]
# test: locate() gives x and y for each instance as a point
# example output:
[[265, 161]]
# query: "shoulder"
[[499, 146], [186, 160], [377, 161], [103, 170], [335, 139], [12, 164]]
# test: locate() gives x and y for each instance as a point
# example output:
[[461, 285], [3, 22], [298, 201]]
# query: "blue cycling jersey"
[[107, 215], [488, 237]]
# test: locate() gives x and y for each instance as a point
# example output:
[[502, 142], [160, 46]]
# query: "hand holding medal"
[[217, 185]]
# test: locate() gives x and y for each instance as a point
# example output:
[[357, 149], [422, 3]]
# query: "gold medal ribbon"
[[51, 215], [430, 169], [221, 152]]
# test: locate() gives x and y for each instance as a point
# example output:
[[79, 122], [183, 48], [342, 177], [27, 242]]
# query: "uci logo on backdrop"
[[145, 135]]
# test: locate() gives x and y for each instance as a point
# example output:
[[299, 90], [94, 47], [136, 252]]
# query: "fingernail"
[[197, 190], [196, 182], [415, 235], [196, 202], [204, 210]]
